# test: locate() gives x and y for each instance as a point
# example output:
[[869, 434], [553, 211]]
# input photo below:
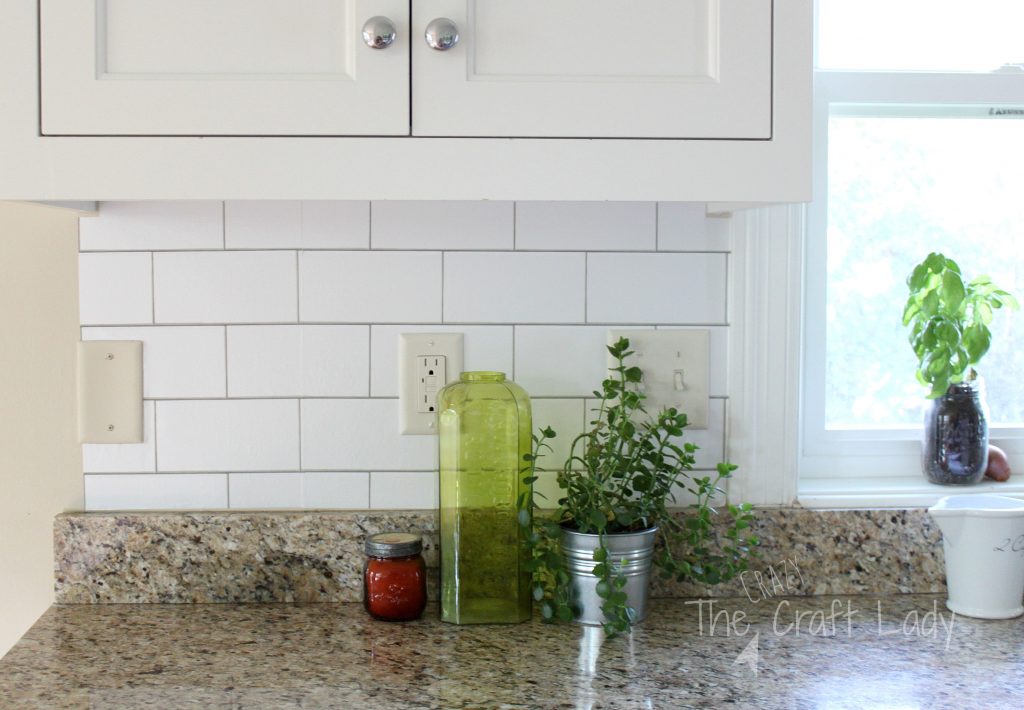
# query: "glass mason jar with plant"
[[949, 319], [619, 483]]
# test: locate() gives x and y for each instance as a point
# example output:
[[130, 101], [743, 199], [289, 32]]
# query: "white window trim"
[[777, 336]]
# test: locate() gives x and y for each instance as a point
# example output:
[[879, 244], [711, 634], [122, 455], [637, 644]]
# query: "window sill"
[[903, 492]]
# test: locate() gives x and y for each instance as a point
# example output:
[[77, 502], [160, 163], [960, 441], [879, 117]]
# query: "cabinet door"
[[596, 68], [223, 67]]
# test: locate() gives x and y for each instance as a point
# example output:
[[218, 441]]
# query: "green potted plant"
[[591, 556], [949, 319]]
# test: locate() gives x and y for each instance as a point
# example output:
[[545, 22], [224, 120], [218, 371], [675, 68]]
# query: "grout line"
[[227, 376], [298, 289], [515, 223], [496, 324], [298, 404], [222, 472], [442, 288], [657, 226], [224, 224], [514, 354], [152, 287], [227, 487], [277, 398], [586, 285], [243, 250], [156, 443], [369, 224], [369, 361]]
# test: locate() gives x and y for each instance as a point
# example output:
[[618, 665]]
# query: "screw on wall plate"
[[110, 427], [110, 356]]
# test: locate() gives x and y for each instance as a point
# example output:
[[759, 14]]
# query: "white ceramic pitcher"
[[983, 539]]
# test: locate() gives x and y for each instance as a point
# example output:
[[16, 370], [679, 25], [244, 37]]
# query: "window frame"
[[837, 465]]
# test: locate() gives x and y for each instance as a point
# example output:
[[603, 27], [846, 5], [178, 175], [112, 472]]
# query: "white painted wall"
[[271, 329], [40, 460]]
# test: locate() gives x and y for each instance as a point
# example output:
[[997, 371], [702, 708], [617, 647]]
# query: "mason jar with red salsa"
[[394, 577]]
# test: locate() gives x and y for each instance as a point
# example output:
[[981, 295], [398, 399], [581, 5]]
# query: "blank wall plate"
[[110, 392], [419, 354], [675, 366]]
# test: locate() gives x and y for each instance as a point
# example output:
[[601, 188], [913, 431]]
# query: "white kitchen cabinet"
[[596, 68], [650, 100], [573, 68], [229, 67]]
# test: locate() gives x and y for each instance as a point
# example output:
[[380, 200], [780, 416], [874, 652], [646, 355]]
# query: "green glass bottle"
[[485, 430]]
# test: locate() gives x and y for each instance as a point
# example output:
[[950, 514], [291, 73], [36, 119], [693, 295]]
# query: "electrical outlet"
[[675, 367], [426, 363]]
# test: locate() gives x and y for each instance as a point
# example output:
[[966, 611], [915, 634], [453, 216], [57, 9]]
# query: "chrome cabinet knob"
[[379, 32], [442, 34]]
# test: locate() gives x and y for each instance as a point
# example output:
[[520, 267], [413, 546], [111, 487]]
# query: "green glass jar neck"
[[483, 376]]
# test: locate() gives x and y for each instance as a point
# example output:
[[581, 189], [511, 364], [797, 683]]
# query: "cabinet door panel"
[[596, 68], [229, 67]]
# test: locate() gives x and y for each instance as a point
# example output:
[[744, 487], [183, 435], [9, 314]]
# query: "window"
[[919, 147]]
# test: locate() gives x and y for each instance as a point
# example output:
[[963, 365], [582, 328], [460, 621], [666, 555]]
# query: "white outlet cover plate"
[[410, 347], [664, 356]]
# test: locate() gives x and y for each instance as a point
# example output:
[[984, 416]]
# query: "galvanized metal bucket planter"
[[630, 552]]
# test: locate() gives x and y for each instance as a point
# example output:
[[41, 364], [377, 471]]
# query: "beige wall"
[[40, 459]]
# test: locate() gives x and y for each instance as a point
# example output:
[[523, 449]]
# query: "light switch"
[[110, 392], [426, 363], [675, 367]]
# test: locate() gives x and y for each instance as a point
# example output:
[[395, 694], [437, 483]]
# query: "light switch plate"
[[413, 348], [110, 392], [675, 367]]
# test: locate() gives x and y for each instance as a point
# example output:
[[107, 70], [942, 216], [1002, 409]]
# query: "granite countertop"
[[903, 651]]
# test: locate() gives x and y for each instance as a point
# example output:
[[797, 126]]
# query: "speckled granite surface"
[[317, 556], [902, 651]]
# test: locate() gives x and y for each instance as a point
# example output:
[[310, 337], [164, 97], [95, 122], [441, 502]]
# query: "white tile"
[[292, 360], [115, 288], [561, 361], [585, 226], [289, 224], [143, 225], [348, 490], [225, 287], [360, 435], [442, 225], [265, 490], [311, 490], [370, 287], [513, 288], [718, 373], [485, 347], [565, 417], [403, 490], [177, 361], [226, 435], [124, 458], [156, 491], [656, 288], [683, 226]]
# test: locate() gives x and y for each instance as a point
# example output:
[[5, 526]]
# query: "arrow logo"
[[750, 654]]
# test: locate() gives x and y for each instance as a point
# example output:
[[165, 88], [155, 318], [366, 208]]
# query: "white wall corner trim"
[[764, 376]]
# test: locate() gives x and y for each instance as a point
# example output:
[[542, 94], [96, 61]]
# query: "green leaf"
[[600, 554], [953, 291]]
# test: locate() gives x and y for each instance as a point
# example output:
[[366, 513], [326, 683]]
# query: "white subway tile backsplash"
[[293, 360], [481, 287], [442, 225], [561, 361], [409, 490], [485, 347], [656, 288], [124, 458], [683, 226], [312, 490], [352, 434], [585, 226], [273, 353], [161, 491], [228, 435], [115, 288], [225, 287], [370, 287], [291, 224], [145, 225], [178, 361]]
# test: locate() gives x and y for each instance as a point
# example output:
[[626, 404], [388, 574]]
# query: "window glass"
[[899, 188], [920, 35]]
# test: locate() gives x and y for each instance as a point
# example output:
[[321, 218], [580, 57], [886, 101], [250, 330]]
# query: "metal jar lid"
[[393, 544]]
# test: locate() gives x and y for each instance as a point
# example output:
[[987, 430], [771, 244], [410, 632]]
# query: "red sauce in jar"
[[394, 577]]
